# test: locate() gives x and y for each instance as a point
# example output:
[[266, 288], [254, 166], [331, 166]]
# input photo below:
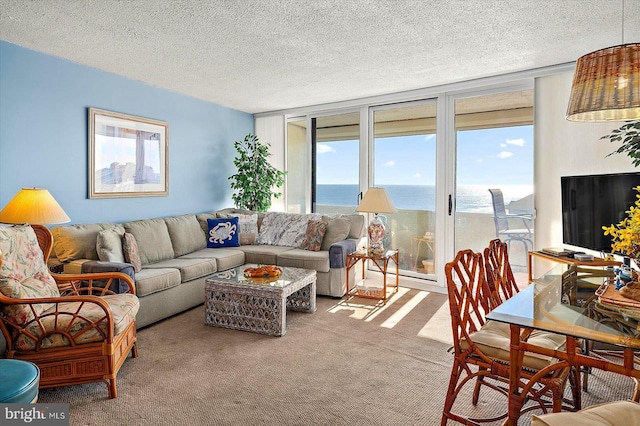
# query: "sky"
[[493, 157]]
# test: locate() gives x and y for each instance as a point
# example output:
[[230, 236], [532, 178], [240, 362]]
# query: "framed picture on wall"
[[128, 155]]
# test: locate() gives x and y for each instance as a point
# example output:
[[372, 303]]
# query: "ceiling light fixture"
[[606, 84]]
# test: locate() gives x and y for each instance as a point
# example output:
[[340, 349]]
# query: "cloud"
[[390, 163], [429, 137], [480, 160], [323, 148], [516, 142], [503, 145], [417, 175], [505, 154]]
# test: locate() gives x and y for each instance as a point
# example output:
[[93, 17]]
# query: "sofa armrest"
[[338, 252], [118, 286]]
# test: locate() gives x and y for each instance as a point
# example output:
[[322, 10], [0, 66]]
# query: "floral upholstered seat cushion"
[[24, 274], [89, 324]]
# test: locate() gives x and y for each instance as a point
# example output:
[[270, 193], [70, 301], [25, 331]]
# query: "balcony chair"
[[502, 222], [80, 336], [483, 346]]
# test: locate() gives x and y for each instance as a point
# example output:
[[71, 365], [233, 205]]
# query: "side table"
[[381, 260]]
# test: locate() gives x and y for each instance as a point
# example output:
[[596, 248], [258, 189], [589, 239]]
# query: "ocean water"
[[469, 198]]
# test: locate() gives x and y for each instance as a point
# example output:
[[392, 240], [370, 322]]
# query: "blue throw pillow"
[[223, 233]]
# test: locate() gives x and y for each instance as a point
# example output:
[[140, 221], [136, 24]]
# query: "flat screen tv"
[[591, 202]]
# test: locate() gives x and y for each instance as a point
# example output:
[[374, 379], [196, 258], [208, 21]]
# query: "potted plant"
[[629, 135], [256, 177]]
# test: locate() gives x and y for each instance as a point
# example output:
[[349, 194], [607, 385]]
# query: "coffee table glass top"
[[236, 276], [541, 306]]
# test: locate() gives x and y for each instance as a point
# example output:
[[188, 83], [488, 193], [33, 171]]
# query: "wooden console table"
[[596, 262]]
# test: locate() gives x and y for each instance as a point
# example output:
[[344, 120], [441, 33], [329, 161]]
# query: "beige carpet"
[[347, 364]]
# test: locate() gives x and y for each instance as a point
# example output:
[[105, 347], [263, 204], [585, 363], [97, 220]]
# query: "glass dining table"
[[544, 305]]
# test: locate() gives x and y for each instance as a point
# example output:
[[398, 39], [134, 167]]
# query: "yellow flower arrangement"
[[626, 234]]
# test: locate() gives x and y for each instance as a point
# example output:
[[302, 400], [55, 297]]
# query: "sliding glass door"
[[335, 141], [494, 172], [404, 163]]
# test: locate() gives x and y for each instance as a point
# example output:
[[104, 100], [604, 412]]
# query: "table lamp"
[[376, 201], [34, 206]]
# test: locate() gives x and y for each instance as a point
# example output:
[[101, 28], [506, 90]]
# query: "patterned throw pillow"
[[247, 228], [314, 235], [131, 252], [223, 233]]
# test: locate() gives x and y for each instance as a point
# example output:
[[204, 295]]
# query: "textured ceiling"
[[265, 55]]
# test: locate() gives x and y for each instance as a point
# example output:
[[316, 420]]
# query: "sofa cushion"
[[261, 254], [337, 230], [223, 233], [358, 228], [74, 242], [109, 245], [186, 234], [152, 236], [153, 280], [226, 258], [123, 307], [190, 268], [297, 258], [314, 235], [204, 225], [131, 251], [284, 229]]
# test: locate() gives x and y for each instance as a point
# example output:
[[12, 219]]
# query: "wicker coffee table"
[[233, 301]]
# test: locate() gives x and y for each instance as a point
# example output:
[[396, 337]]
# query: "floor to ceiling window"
[[494, 172], [404, 163], [335, 182], [298, 165], [437, 176]]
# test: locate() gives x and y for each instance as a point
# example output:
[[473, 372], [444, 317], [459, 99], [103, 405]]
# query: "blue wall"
[[44, 103]]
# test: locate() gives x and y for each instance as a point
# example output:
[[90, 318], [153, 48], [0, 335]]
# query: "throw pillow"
[[247, 228], [131, 252], [223, 233], [284, 229], [337, 230], [109, 245], [314, 235]]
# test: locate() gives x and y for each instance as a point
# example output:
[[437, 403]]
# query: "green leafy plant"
[[255, 178], [629, 135]]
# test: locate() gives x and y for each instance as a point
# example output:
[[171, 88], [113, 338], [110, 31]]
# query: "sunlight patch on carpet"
[[404, 310]]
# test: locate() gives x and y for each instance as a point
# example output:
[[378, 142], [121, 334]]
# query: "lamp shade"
[[606, 85], [33, 205], [376, 200]]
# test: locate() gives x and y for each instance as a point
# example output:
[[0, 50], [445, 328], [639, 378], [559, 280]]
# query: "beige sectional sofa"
[[175, 259]]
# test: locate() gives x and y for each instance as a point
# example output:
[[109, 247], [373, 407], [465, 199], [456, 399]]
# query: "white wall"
[[565, 148], [271, 130]]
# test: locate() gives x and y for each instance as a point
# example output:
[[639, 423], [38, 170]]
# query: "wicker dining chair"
[[502, 286], [481, 348], [500, 279], [73, 327]]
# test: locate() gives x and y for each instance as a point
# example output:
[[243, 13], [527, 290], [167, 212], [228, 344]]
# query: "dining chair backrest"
[[500, 280], [469, 295]]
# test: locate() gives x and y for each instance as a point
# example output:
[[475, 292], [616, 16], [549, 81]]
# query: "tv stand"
[[596, 262]]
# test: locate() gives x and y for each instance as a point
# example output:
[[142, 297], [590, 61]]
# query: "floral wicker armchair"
[[74, 327]]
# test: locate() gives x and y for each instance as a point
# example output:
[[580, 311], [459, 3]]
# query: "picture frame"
[[128, 155]]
